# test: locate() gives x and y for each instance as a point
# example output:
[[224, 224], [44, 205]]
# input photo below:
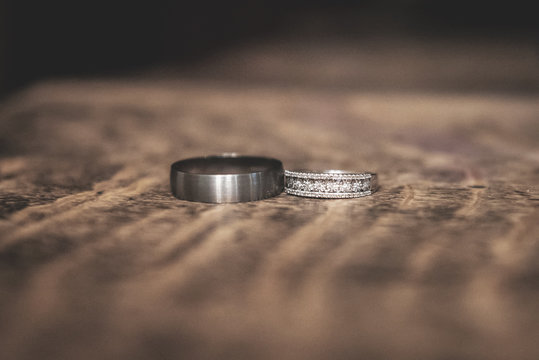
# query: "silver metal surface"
[[226, 178], [330, 184]]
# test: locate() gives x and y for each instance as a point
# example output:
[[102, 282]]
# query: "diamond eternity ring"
[[330, 184]]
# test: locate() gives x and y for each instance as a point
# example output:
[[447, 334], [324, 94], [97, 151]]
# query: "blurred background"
[[464, 45]]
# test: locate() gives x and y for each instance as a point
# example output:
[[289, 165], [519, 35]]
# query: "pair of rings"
[[231, 178]]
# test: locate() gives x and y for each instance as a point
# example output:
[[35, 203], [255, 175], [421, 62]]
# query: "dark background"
[[72, 38]]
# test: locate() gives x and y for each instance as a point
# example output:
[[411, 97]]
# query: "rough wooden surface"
[[99, 261]]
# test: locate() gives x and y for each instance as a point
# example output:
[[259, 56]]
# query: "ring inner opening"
[[227, 165]]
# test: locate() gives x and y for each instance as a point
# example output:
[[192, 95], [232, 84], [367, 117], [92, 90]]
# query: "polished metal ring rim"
[[330, 184], [226, 178]]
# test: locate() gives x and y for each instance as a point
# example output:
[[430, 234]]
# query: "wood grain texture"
[[99, 261]]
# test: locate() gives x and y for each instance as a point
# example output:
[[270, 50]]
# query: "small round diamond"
[[365, 185], [290, 182], [345, 186], [319, 186], [333, 186]]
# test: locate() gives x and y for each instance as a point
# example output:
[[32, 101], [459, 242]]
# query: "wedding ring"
[[330, 184], [226, 178]]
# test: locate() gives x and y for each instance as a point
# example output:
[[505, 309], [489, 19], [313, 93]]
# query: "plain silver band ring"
[[330, 184], [226, 178]]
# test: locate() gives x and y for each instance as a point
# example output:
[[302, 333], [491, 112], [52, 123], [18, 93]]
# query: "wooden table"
[[99, 261]]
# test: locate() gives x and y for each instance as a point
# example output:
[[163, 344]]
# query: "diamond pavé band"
[[330, 184]]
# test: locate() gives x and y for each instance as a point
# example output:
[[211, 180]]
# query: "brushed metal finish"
[[226, 179]]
